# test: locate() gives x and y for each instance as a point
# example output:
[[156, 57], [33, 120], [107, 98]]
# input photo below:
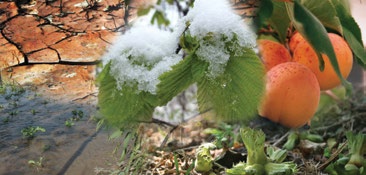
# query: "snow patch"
[[141, 55], [216, 18]]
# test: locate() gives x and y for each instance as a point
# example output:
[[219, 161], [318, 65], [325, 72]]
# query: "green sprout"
[[30, 131], [356, 146], [257, 161], [37, 164], [204, 160], [69, 123]]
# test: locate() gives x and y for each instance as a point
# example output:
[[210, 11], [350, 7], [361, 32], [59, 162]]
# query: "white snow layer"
[[144, 52], [141, 55], [217, 17]]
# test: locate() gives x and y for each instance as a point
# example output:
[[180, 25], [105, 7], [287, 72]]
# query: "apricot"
[[295, 40], [291, 95], [327, 78], [273, 53]]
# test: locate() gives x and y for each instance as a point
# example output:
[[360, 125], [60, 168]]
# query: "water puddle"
[[69, 144]]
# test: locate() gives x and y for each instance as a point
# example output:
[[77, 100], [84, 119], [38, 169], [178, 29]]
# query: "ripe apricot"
[[327, 78], [295, 40], [292, 95], [273, 53]]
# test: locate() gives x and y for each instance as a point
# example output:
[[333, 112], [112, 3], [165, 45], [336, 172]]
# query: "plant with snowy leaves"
[[142, 69]]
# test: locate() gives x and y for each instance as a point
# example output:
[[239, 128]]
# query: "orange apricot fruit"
[[327, 78], [295, 39], [273, 53], [291, 96]]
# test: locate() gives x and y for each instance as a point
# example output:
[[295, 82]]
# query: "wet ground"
[[68, 144]]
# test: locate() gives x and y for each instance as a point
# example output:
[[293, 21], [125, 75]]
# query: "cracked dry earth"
[[51, 49]]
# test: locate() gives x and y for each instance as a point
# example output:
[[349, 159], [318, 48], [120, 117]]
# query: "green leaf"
[[143, 11], [126, 107], [314, 32], [325, 11], [280, 20], [351, 32], [264, 12], [159, 17], [356, 47], [235, 95], [176, 80]]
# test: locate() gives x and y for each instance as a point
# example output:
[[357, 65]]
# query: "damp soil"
[[70, 143]]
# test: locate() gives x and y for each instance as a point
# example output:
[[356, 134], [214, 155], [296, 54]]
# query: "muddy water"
[[76, 149]]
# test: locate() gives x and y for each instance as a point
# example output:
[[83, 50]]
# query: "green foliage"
[[233, 95], [257, 161], [224, 135], [30, 131], [313, 19], [354, 163], [204, 160], [126, 107], [278, 15]]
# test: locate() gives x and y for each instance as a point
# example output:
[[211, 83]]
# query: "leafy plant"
[[222, 63], [224, 135], [36, 163], [30, 131], [69, 123], [257, 161]]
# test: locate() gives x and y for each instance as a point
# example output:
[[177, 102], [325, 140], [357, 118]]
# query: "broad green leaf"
[[175, 81], [280, 20], [314, 32], [356, 47], [325, 11], [126, 107], [235, 95], [264, 12], [351, 33]]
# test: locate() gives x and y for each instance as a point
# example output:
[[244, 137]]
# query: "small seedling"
[[30, 131], [33, 111], [69, 122], [37, 164], [77, 115], [13, 113]]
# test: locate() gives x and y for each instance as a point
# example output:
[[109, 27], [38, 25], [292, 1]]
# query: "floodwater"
[[75, 147]]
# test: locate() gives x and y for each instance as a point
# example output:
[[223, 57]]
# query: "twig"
[[167, 136], [81, 98], [275, 144], [331, 159]]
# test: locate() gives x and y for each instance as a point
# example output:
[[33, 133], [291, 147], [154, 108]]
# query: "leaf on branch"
[[280, 20], [315, 33], [176, 80], [125, 107], [235, 95], [325, 12], [351, 32]]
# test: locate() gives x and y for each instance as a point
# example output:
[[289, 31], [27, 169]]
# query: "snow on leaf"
[[140, 56], [209, 22]]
